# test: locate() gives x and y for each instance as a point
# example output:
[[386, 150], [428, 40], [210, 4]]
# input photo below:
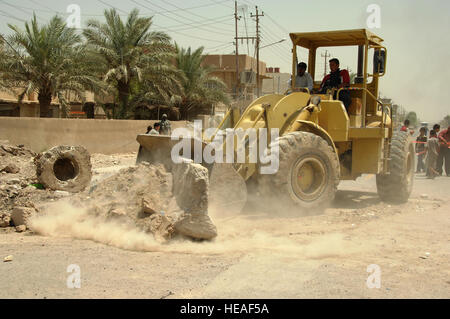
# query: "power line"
[[219, 49], [116, 8], [40, 4], [159, 26], [8, 15], [100, 15], [278, 25], [281, 51], [20, 9], [174, 19], [221, 4], [218, 46], [246, 30], [191, 26], [195, 14]]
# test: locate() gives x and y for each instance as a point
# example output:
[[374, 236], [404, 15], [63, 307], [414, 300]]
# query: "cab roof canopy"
[[310, 40]]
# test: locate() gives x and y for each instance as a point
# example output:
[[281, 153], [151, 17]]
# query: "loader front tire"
[[396, 186], [308, 173]]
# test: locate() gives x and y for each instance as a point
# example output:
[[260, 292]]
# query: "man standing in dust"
[[432, 155], [165, 126]]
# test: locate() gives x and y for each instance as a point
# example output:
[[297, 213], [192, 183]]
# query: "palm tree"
[[49, 60], [161, 87], [201, 90], [130, 53]]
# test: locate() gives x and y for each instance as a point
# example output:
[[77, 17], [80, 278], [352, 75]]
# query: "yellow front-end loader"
[[320, 142]]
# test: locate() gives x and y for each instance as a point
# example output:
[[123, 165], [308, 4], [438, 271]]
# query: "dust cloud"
[[238, 234]]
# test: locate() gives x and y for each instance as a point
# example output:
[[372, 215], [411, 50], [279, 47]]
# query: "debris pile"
[[17, 173], [154, 200], [146, 196]]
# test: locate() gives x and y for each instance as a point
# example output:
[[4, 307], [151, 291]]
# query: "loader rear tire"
[[308, 173], [396, 186]]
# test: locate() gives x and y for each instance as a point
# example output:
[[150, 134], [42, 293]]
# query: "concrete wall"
[[98, 136], [29, 110]]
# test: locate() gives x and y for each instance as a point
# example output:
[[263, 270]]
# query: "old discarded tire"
[[308, 173], [396, 186], [65, 168]]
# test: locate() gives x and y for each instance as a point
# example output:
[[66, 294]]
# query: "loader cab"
[[366, 109]]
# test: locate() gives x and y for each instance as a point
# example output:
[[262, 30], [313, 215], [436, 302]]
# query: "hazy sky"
[[415, 34]]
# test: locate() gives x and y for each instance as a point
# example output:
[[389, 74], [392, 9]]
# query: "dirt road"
[[258, 254]]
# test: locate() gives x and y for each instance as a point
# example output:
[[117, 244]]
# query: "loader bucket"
[[227, 189], [158, 148]]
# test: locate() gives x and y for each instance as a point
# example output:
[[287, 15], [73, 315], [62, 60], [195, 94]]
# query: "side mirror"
[[379, 61]]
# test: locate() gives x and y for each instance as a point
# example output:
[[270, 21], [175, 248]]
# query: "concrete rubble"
[[155, 200], [163, 203], [20, 215], [191, 186]]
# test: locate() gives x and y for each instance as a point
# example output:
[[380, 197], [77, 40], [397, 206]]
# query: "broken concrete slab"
[[198, 226], [20, 215], [190, 187]]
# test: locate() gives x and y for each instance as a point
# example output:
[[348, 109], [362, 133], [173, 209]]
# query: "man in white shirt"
[[153, 131], [303, 78]]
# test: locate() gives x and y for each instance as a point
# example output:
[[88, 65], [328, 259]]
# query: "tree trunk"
[[124, 94], [45, 100]]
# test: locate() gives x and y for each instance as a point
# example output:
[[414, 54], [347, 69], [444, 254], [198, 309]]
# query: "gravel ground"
[[260, 253]]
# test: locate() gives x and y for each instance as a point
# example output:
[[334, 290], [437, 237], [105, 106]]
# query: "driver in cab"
[[337, 79]]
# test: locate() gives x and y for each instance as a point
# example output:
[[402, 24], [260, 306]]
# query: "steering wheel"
[[295, 89]]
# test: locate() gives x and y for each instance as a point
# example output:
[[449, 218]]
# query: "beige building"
[[277, 83], [9, 105], [29, 107], [225, 69]]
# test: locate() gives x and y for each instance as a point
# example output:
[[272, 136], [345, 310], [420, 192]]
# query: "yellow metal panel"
[[277, 115], [368, 132], [271, 99], [366, 155], [334, 119]]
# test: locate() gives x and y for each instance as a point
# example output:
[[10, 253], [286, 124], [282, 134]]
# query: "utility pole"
[[237, 39], [257, 15], [325, 62], [236, 18]]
